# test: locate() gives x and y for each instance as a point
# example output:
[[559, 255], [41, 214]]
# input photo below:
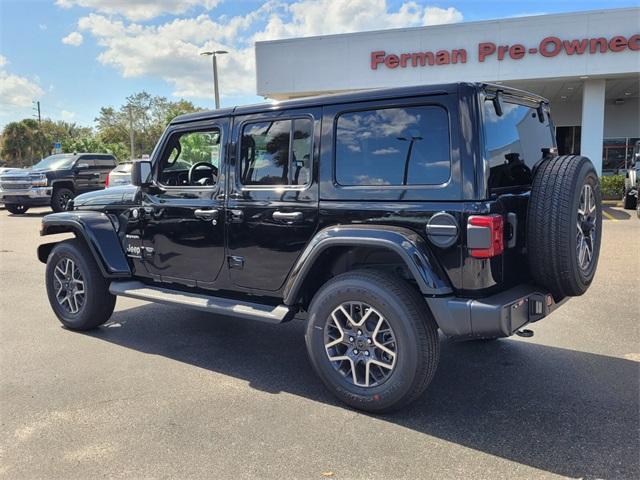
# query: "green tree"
[[23, 143], [148, 116]]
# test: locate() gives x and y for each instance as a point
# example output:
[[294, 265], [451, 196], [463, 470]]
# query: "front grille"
[[13, 185]]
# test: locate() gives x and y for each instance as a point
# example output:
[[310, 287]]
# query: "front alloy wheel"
[[78, 293], [360, 344], [69, 285]]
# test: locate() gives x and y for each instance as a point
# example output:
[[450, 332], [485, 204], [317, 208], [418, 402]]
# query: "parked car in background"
[[54, 181], [121, 175], [630, 195]]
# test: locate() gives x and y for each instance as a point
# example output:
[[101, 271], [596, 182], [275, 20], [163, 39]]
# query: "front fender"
[[410, 246], [98, 232]]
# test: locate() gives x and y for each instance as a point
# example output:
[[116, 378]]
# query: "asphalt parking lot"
[[166, 393]]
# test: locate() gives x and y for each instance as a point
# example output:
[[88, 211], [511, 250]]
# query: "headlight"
[[39, 180]]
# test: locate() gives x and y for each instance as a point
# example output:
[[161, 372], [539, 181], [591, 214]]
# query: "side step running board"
[[217, 305]]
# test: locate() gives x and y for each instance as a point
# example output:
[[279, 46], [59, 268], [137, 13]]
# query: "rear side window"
[[514, 143], [105, 161], [393, 146], [276, 152], [89, 161]]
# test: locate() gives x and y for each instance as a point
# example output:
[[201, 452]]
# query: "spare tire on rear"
[[564, 225]]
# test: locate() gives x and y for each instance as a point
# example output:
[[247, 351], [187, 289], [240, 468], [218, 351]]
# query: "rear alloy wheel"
[[16, 209], [60, 199], [360, 344], [372, 340]]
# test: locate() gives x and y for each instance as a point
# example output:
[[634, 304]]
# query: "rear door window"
[[393, 147], [276, 152]]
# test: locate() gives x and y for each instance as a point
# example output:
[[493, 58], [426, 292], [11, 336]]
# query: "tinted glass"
[[183, 151], [87, 160], [301, 154], [195, 147], [105, 162], [514, 143], [393, 146], [276, 153]]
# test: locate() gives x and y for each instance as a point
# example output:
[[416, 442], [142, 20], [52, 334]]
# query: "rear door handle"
[[210, 214], [287, 216]]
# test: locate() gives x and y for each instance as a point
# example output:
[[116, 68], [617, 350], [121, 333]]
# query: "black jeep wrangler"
[[381, 217], [54, 181]]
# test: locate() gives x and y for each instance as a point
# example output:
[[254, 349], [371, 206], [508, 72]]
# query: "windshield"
[[54, 162]]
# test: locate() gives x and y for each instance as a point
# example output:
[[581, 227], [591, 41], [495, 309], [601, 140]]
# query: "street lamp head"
[[214, 52]]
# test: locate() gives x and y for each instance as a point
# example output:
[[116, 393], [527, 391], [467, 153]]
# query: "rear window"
[[514, 143], [123, 168], [393, 146]]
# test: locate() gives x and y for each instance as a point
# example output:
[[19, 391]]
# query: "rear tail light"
[[106, 183], [485, 235]]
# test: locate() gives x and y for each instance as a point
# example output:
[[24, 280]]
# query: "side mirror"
[[82, 166], [141, 173]]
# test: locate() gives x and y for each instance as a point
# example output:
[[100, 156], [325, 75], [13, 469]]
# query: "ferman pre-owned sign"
[[547, 47], [603, 44]]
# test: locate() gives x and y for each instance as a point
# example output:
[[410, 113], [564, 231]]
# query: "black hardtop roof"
[[356, 96]]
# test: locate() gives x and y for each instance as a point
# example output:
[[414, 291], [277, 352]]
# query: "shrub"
[[612, 187]]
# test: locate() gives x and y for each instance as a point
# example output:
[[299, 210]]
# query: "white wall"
[[342, 62], [619, 120], [622, 120]]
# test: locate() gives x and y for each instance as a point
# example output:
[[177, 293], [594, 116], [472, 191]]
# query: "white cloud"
[[74, 38], [322, 17], [67, 115], [170, 50], [42, 26], [140, 9], [16, 92]]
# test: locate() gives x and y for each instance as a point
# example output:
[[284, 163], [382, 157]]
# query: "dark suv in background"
[[381, 217], [54, 181]]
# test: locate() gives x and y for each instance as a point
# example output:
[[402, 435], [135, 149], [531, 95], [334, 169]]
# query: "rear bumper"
[[33, 196], [499, 315]]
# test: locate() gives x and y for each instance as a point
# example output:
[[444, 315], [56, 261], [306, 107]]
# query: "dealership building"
[[587, 64]]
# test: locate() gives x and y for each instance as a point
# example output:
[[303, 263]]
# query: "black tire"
[[414, 329], [60, 199], [16, 208], [552, 221], [629, 201], [97, 305]]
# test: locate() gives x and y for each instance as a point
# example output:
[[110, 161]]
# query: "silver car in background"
[[121, 175]]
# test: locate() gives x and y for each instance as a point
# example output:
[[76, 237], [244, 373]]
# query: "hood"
[[123, 196], [21, 173]]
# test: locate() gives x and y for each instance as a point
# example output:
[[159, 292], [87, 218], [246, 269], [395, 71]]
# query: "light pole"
[[411, 141], [213, 55]]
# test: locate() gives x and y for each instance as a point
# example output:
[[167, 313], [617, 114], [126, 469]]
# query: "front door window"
[[191, 159]]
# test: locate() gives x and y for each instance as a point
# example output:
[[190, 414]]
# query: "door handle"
[[236, 215], [211, 214], [287, 216]]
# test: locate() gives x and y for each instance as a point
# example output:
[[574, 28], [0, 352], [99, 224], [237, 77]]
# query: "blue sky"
[[78, 55]]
